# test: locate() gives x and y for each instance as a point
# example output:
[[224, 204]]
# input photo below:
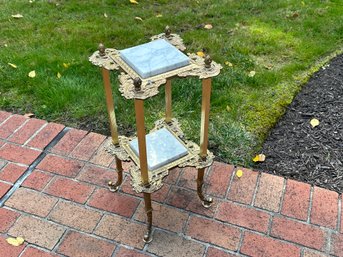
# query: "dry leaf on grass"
[[228, 64], [105, 15], [12, 65], [58, 75], [208, 26], [32, 74], [17, 16], [133, 2], [138, 18], [159, 15], [252, 73], [66, 65]]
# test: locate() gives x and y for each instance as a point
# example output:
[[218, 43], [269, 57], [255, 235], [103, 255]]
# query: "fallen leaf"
[[138, 18], [133, 2], [5, 45], [17, 16], [201, 54], [228, 64], [29, 115], [252, 73], [239, 173], [259, 158], [12, 65], [159, 15], [228, 108], [105, 15], [314, 123], [66, 65], [59, 75], [15, 241], [32, 74], [208, 26]]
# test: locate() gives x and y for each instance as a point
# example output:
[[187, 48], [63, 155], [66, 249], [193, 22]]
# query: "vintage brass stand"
[[133, 86]]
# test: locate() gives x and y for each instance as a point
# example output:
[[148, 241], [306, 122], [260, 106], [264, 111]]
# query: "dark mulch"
[[314, 155]]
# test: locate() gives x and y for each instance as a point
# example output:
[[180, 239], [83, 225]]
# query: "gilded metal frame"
[[132, 86]]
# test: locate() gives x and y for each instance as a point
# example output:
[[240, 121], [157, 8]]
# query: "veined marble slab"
[[162, 148], [154, 58]]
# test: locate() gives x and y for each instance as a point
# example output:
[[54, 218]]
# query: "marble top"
[[162, 148], [154, 58]]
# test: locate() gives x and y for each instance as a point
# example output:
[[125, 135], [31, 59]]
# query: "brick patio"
[[63, 207]]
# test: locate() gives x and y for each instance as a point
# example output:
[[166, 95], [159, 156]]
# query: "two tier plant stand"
[[143, 69]]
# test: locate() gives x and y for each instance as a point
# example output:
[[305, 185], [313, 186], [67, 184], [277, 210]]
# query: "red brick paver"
[[31, 201], [26, 131], [70, 140], [10, 125], [80, 245], [46, 135], [60, 165], [70, 189], [297, 200], [324, 208], [243, 188], [262, 246], [114, 202], [214, 232], [7, 218], [37, 180], [297, 232], [12, 172], [19, 154], [243, 216], [63, 208], [269, 192]]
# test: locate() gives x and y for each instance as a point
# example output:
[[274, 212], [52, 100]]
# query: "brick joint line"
[[33, 165]]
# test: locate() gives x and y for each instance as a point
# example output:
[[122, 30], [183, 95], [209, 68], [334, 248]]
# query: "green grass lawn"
[[283, 41]]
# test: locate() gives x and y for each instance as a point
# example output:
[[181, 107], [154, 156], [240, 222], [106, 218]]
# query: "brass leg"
[[206, 201], [148, 209], [114, 187]]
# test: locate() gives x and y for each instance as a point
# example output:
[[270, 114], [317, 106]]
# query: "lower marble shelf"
[[178, 152]]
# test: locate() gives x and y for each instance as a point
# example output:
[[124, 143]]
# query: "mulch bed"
[[294, 149]]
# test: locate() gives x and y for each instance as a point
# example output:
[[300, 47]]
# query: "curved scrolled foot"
[[147, 237], [113, 187], [207, 202]]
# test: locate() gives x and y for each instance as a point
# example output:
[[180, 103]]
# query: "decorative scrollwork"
[[105, 60], [200, 69], [118, 150], [148, 88], [173, 39]]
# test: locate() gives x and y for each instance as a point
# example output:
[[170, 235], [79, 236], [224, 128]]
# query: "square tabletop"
[[154, 58]]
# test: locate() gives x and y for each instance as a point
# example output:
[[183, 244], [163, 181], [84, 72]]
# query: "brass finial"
[[137, 82], [101, 49], [167, 31], [208, 61]]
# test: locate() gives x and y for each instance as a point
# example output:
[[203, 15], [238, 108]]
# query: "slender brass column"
[[205, 112], [110, 106], [113, 126], [139, 109], [148, 209], [168, 93]]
